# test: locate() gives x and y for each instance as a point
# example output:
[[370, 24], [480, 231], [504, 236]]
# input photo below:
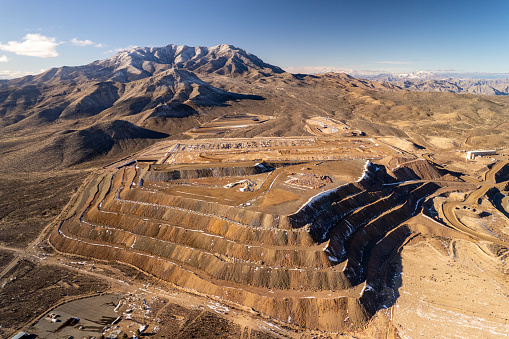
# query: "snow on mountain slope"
[[142, 62]]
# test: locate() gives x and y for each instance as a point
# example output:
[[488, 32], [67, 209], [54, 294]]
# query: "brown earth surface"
[[29, 201], [33, 288], [100, 209], [257, 253], [360, 248]]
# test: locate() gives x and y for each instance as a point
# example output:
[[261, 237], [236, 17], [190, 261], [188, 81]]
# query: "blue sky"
[[298, 35]]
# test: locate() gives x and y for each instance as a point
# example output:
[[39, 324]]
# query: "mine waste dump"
[[296, 229]]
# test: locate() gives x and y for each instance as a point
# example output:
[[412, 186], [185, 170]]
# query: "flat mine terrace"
[[297, 229]]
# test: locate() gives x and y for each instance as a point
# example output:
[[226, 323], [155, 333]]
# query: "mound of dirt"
[[402, 144], [414, 169]]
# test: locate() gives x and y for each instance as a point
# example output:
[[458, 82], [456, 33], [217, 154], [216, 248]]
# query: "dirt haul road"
[[449, 207]]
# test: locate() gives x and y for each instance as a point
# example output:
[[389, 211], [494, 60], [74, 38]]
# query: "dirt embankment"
[[219, 171], [323, 205], [503, 174], [307, 269], [415, 169]]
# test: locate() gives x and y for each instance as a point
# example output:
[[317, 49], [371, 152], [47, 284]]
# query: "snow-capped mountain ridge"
[[142, 62], [191, 58], [446, 81]]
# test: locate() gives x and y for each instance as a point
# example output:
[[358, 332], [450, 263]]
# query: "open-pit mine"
[[200, 192], [305, 231]]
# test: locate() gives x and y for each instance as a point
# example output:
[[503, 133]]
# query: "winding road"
[[489, 182]]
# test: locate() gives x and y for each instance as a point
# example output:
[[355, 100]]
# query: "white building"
[[472, 154]]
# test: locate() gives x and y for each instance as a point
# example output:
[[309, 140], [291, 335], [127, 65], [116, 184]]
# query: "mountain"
[[461, 83], [150, 92], [140, 63], [394, 77], [47, 121], [460, 86], [169, 93]]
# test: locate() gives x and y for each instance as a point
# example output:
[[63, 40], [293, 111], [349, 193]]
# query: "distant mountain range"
[[473, 83], [428, 81]]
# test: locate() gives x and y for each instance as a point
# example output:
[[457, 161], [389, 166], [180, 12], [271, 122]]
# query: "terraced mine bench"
[[310, 257]]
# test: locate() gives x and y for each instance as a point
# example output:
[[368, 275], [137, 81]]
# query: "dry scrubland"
[[417, 246]]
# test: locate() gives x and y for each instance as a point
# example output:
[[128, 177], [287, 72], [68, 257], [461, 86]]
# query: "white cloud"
[[316, 69], [116, 50], [4, 58], [36, 45], [395, 62], [358, 71], [13, 74], [83, 43]]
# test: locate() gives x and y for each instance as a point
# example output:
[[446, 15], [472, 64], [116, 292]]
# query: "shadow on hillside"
[[248, 96], [496, 197], [384, 277], [231, 96]]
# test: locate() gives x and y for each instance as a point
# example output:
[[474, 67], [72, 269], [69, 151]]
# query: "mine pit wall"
[[416, 170], [238, 215], [131, 215], [341, 232], [382, 280], [368, 246], [321, 225], [128, 227], [364, 238], [503, 174], [216, 172], [317, 205], [226, 248], [108, 231], [101, 226], [373, 178], [220, 267], [335, 314], [332, 314]]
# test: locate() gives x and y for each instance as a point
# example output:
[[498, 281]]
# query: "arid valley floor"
[[305, 207]]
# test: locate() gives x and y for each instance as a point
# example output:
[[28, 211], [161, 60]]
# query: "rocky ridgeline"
[[323, 267]]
